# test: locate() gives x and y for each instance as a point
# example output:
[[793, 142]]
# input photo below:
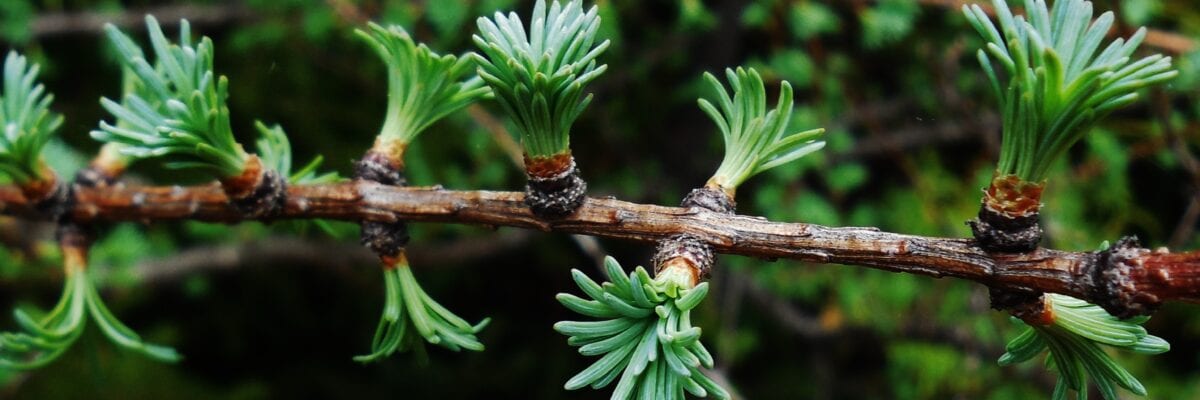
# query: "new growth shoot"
[[1057, 78], [27, 121], [756, 139], [423, 87], [644, 336], [178, 106], [538, 77]]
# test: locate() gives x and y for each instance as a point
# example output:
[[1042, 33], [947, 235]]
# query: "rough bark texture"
[[1027, 305], [1134, 282], [1002, 234], [554, 189], [257, 192], [690, 251], [687, 249], [710, 198], [383, 166], [1008, 215]]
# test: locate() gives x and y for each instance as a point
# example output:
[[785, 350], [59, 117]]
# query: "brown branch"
[[68, 23], [1128, 280], [500, 135]]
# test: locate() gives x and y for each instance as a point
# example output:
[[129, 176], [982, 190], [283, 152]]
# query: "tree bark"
[[1126, 280]]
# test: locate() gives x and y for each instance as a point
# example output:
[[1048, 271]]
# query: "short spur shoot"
[[1072, 341], [410, 312], [644, 336], [177, 107], [756, 138], [44, 338], [28, 125], [538, 79], [423, 87], [1058, 81]]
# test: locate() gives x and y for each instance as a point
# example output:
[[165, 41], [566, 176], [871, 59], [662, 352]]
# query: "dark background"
[[277, 311]]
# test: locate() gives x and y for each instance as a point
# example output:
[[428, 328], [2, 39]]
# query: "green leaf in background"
[[16, 16], [888, 22], [809, 19]]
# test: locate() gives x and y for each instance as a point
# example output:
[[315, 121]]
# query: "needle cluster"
[[178, 106], [275, 150], [26, 119], [756, 138], [409, 312], [644, 336], [1073, 341], [538, 77], [43, 339], [423, 86], [1058, 79]]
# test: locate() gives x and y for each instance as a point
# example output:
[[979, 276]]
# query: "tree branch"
[[1126, 280], [69, 23]]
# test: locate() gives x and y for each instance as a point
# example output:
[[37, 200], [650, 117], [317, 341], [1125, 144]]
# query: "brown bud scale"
[[552, 190], [685, 248], [257, 192], [711, 199], [1118, 292], [1009, 215], [385, 239]]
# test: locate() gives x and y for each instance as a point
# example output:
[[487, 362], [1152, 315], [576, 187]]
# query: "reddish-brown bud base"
[[1118, 291], [1009, 215], [256, 192], [49, 195], [1030, 307]]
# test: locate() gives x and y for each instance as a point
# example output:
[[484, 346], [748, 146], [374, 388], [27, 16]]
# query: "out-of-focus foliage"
[[911, 139], [26, 121]]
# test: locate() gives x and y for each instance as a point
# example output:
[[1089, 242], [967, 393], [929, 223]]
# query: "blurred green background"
[[277, 311]]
